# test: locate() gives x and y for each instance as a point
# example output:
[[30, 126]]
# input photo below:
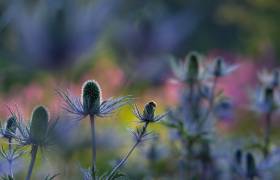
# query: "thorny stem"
[[32, 162], [93, 144], [267, 132], [10, 160], [129, 153]]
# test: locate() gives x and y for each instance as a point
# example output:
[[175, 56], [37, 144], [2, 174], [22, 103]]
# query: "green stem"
[[32, 162], [129, 152], [93, 144]]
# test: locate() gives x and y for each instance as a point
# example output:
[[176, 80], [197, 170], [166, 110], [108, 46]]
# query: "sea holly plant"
[[91, 104], [13, 153], [266, 102], [37, 134], [140, 134], [194, 118]]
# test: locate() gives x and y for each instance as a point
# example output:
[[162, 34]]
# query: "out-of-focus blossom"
[[265, 99], [220, 68], [190, 69], [271, 79]]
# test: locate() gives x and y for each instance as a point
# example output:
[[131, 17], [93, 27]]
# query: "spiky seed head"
[[218, 67], [251, 166], [91, 97], [149, 111], [238, 156], [39, 125], [11, 126], [193, 67]]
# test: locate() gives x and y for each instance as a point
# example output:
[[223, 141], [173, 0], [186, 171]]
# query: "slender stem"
[[129, 152], [32, 162], [10, 160], [211, 102], [267, 132], [93, 144]]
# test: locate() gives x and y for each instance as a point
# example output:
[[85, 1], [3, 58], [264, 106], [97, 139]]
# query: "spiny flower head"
[[90, 102], [189, 70], [193, 67], [148, 113], [266, 99], [271, 79], [220, 68], [11, 127], [91, 97], [39, 124]]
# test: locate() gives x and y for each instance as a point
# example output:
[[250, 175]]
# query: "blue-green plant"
[[194, 118], [91, 104]]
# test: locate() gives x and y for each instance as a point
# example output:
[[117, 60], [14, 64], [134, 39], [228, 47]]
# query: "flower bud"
[[11, 127], [193, 68], [251, 166], [269, 96], [149, 111], [91, 97], [39, 125], [238, 156], [218, 69]]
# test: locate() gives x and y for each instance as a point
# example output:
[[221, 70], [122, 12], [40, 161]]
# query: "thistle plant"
[[12, 154], [35, 134], [140, 134], [193, 119], [266, 101], [90, 104]]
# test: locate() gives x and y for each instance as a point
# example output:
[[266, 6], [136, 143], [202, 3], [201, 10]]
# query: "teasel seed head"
[[11, 127], [39, 125], [149, 111], [91, 97]]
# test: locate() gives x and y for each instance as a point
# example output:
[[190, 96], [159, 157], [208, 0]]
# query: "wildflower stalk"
[[267, 132], [32, 161], [138, 141], [211, 102], [93, 144], [10, 161]]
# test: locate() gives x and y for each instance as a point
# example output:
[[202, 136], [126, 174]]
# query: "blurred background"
[[126, 46]]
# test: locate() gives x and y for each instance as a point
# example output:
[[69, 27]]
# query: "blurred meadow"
[[126, 46]]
